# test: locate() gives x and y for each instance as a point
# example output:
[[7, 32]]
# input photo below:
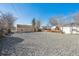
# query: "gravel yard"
[[40, 44]]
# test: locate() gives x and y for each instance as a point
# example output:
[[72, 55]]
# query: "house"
[[24, 28], [45, 29], [70, 30], [56, 29], [67, 29]]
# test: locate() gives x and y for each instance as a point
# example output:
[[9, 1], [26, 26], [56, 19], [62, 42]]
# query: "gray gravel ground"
[[40, 44]]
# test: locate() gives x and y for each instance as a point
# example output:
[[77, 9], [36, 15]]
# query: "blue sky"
[[43, 11]]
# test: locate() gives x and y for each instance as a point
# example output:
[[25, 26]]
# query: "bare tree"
[[33, 24], [76, 19], [37, 25], [53, 21], [7, 21], [62, 21]]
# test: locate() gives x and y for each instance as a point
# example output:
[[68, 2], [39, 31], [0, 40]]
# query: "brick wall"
[[24, 28]]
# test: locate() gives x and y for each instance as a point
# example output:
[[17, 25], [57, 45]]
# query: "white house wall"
[[70, 30], [52, 28], [66, 30]]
